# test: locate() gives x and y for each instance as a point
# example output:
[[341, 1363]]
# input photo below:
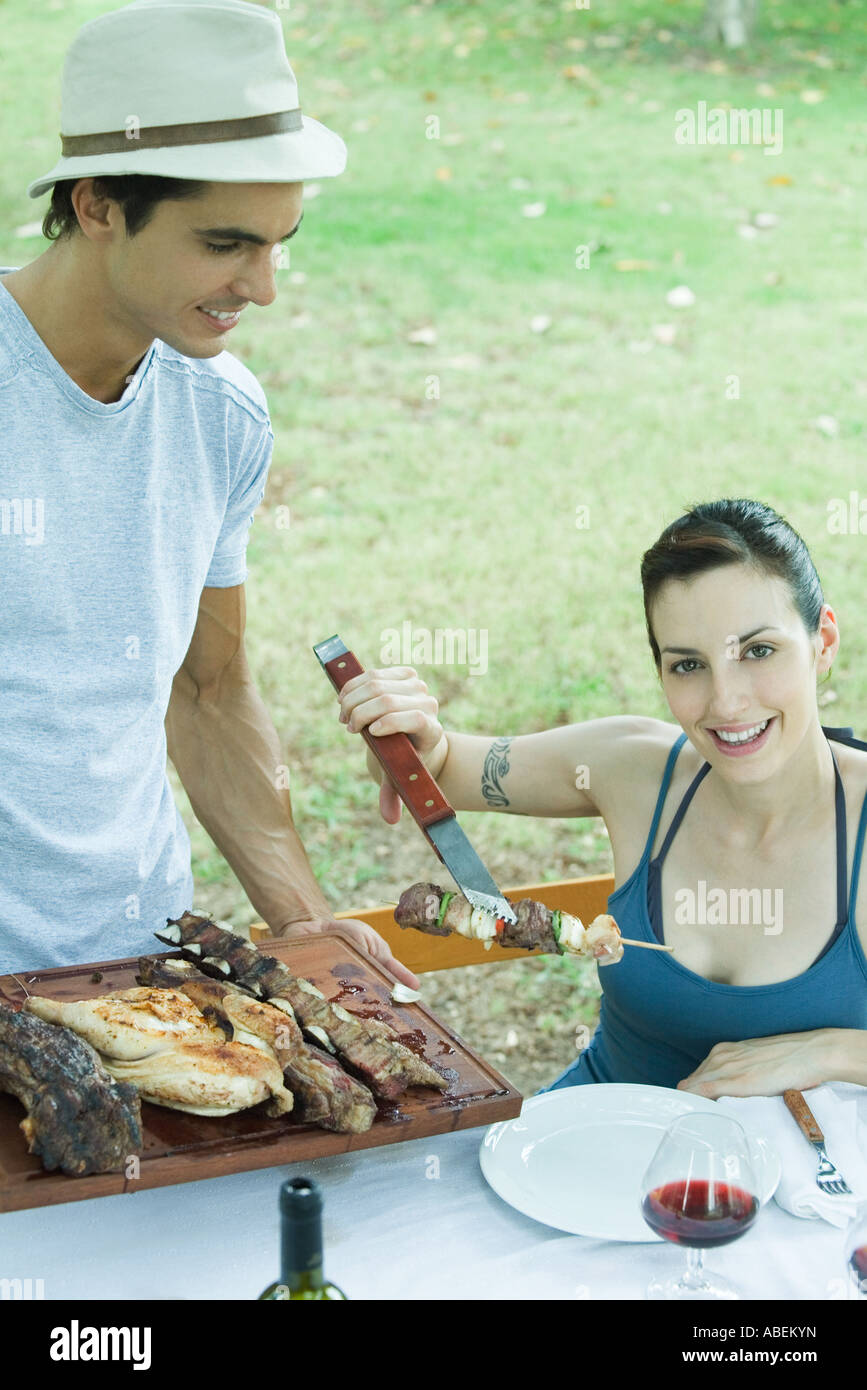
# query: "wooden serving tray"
[[178, 1147]]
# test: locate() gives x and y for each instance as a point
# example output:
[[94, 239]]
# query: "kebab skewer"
[[431, 909]]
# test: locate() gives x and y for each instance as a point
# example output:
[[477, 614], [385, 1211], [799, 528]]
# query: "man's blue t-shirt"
[[113, 518]]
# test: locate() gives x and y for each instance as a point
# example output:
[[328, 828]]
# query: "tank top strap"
[[846, 913], [663, 792], [681, 811]]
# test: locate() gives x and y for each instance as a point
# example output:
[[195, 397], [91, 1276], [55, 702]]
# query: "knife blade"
[[420, 794]]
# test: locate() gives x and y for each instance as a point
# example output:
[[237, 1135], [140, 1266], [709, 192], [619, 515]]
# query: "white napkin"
[[835, 1106]]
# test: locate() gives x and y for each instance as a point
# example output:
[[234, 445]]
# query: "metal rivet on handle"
[[413, 776], [428, 803]]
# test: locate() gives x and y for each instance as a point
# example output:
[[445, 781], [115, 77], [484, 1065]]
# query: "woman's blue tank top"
[[658, 1020]]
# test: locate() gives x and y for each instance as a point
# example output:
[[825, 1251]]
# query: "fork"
[[829, 1178]]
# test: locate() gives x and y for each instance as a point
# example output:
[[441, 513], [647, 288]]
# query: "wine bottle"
[[301, 1273]]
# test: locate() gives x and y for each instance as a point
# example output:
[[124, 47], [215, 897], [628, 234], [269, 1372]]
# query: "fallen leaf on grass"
[[426, 336], [444, 173], [533, 209], [540, 323], [779, 181], [664, 333], [812, 96], [827, 425], [681, 297]]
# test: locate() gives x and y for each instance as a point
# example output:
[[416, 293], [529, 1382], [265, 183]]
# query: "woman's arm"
[[784, 1062], [568, 771]]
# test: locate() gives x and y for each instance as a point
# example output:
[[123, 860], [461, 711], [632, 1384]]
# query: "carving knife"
[[420, 794]]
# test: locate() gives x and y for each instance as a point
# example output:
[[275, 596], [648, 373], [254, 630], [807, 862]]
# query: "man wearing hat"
[[133, 454]]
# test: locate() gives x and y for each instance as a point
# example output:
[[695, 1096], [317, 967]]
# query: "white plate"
[[575, 1158]]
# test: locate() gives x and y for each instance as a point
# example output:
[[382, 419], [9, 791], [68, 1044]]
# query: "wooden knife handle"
[[807, 1122], [415, 786]]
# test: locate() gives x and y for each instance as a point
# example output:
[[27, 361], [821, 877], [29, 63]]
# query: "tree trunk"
[[730, 20]]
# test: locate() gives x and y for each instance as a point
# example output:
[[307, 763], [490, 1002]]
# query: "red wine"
[[858, 1267], [685, 1213]]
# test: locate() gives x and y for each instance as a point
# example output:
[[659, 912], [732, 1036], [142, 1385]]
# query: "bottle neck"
[[301, 1253]]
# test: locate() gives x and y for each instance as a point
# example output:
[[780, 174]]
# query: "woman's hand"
[[766, 1066], [393, 701]]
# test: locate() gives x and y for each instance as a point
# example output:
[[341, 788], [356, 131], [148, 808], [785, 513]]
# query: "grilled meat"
[[78, 1118], [158, 1040], [325, 1095], [385, 1064], [431, 909]]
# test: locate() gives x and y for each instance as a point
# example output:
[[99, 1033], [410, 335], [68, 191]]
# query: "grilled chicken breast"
[[158, 1040]]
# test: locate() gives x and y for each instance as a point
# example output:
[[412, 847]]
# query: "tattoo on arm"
[[496, 767]]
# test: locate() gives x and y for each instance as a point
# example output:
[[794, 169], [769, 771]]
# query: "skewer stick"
[[648, 945]]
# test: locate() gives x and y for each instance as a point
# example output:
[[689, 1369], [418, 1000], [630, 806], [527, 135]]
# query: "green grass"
[[460, 511]]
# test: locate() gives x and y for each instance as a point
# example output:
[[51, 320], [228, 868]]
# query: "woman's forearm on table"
[[228, 757], [850, 1046]]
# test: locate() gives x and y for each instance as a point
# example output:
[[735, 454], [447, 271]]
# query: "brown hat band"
[[159, 136]]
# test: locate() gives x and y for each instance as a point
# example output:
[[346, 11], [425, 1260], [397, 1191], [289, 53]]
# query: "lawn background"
[[459, 511]]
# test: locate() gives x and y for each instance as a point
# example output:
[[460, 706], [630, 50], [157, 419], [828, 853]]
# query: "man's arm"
[[227, 754]]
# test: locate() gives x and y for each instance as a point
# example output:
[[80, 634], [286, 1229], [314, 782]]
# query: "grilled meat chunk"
[[324, 1093], [78, 1118], [158, 1040], [532, 929], [384, 1064], [419, 907]]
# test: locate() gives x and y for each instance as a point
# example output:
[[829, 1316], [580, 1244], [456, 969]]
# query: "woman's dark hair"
[[732, 531], [137, 194]]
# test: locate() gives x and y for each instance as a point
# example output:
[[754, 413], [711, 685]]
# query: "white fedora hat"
[[189, 89]]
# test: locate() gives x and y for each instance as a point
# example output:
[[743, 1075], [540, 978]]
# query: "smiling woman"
[[746, 1003]]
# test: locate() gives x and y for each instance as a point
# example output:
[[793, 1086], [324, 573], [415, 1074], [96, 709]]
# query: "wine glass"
[[699, 1190], [856, 1253]]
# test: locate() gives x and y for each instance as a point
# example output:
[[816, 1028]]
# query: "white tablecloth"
[[407, 1221]]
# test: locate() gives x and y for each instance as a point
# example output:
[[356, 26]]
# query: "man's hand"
[[368, 939], [766, 1066]]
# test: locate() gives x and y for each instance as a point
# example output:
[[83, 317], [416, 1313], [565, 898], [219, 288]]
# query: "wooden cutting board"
[[184, 1148]]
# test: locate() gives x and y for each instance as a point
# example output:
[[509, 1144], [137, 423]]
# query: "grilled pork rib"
[[385, 1064], [78, 1118], [325, 1095]]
